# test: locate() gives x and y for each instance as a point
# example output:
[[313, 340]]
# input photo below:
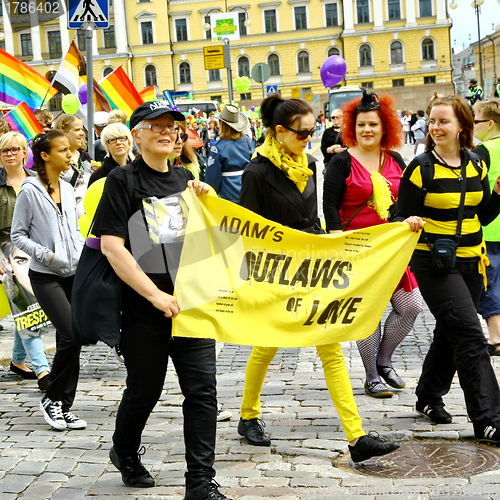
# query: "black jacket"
[[267, 191], [330, 137], [108, 164]]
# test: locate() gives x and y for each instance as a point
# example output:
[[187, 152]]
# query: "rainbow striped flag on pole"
[[120, 91], [148, 94], [22, 120], [20, 83]]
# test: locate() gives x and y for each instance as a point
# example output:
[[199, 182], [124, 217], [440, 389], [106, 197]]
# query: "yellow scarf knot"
[[382, 198]]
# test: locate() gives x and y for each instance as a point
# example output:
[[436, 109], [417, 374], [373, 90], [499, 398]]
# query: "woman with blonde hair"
[[117, 116], [117, 141]]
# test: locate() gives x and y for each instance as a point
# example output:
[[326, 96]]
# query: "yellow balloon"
[[84, 223], [4, 302], [92, 197]]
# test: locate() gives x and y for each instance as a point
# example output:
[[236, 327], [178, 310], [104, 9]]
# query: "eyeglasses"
[[302, 135], [159, 128], [12, 151], [123, 138]]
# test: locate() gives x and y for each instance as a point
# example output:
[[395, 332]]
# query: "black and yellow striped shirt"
[[440, 206]]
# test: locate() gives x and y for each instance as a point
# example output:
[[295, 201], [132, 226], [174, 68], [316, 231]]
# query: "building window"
[[82, 45], [246, 97], [425, 8], [303, 62], [26, 49], [217, 98], [429, 80], [396, 52], [144, 1], [107, 71], [333, 51], [208, 34], [242, 17], [274, 63], [55, 49], [243, 66], [428, 49], [147, 32], [363, 12], [2, 43], [300, 18], [367, 85], [394, 10], [398, 83], [150, 73], [270, 21], [185, 72], [365, 55], [109, 38], [332, 18], [214, 75], [181, 31]]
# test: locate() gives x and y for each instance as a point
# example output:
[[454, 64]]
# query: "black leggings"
[[54, 296]]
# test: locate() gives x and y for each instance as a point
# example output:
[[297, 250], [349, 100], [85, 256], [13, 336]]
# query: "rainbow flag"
[[21, 119], [120, 91], [148, 94], [20, 83]]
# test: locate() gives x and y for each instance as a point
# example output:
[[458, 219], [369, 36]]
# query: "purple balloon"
[[333, 71], [252, 108], [29, 162], [82, 93]]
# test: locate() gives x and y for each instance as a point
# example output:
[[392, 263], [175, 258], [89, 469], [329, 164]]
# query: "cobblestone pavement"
[[307, 458]]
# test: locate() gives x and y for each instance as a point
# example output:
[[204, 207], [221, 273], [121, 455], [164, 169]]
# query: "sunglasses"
[[182, 136], [482, 121], [302, 135]]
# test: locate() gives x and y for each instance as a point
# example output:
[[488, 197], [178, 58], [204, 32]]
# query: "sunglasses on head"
[[302, 135]]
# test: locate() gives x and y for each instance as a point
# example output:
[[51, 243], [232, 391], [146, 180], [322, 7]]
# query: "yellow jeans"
[[336, 378]]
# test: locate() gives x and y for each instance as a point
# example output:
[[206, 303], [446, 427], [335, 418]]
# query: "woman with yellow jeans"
[[280, 184]]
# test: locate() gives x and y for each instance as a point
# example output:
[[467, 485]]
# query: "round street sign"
[[257, 75]]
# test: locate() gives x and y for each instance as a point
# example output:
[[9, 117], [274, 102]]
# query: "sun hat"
[[233, 117]]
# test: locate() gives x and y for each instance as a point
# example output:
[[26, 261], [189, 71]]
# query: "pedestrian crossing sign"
[[94, 11], [271, 89]]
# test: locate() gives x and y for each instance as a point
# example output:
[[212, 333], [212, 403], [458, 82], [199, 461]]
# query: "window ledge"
[[304, 77], [398, 68], [427, 64], [366, 71], [215, 85]]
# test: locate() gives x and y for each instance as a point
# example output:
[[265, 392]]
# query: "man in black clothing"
[[141, 251], [413, 120], [331, 142]]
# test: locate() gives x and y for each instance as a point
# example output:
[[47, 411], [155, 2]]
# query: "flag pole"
[[89, 32]]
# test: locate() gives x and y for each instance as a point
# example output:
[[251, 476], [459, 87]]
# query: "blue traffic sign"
[[271, 89], [93, 11]]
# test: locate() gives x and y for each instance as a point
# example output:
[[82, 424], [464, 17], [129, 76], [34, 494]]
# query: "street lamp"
[[227, 51]]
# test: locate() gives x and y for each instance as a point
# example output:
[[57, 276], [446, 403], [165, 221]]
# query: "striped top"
[[440, 206]]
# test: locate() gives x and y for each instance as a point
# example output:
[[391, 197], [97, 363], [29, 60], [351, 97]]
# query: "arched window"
[[303, 62], [185, 72], [150, 73], [396, 52], [274, 63], [333, 51], [106, 71], [428, 49], [365, 55], [243, 66]]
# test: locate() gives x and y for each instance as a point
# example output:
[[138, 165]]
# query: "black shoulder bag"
[[444, 250], [96, 301]]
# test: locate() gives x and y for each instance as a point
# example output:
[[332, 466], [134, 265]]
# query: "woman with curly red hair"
[[360, 186]]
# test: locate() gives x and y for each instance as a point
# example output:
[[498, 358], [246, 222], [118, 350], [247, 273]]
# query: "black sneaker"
[[253, 431], [52, 413], [490, 433], [133, 472], [371, 445], [213, 493], [435, 413], [73, 422], [118, 353]]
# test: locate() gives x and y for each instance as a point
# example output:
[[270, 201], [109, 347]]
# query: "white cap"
[[101, 118]]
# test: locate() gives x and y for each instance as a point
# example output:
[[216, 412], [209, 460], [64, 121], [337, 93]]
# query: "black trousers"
[[146, 349], [459, 344], [54, 296]]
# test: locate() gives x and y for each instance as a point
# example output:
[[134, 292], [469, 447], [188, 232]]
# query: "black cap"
[[153, 109], [473, 80]]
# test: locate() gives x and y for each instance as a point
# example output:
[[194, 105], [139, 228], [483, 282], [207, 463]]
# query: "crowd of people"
[[450, 194]]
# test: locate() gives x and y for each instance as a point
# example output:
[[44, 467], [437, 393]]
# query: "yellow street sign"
[[309, 96], [214, 57], [295, 93]]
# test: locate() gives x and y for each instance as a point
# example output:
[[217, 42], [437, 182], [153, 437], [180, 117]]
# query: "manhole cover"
[[431, 460]]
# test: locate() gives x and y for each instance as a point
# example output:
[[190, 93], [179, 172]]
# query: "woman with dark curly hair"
[[360, 186], [45, 226]]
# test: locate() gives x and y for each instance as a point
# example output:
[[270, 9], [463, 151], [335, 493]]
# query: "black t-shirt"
[[152, 222]]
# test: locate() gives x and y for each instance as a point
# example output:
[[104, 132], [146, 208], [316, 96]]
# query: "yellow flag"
[[246, 280]]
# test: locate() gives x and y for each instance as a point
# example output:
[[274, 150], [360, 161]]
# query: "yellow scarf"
[[296, 170], [381, 198]]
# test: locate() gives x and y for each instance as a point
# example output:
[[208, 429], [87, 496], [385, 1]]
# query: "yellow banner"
[[246, 280]]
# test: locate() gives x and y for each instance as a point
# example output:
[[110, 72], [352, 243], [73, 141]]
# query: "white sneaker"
[[73, 422], [52, 413], [223, 415]]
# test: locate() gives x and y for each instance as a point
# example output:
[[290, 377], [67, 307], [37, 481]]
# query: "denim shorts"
[[489, 304]]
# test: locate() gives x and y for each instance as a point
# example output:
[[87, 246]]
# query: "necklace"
[[453, 169]]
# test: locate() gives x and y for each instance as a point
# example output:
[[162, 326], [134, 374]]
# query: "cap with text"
[[151, 110]]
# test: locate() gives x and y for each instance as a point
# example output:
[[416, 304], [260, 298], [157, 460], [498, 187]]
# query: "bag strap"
[[461, 208], [345, 225]]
